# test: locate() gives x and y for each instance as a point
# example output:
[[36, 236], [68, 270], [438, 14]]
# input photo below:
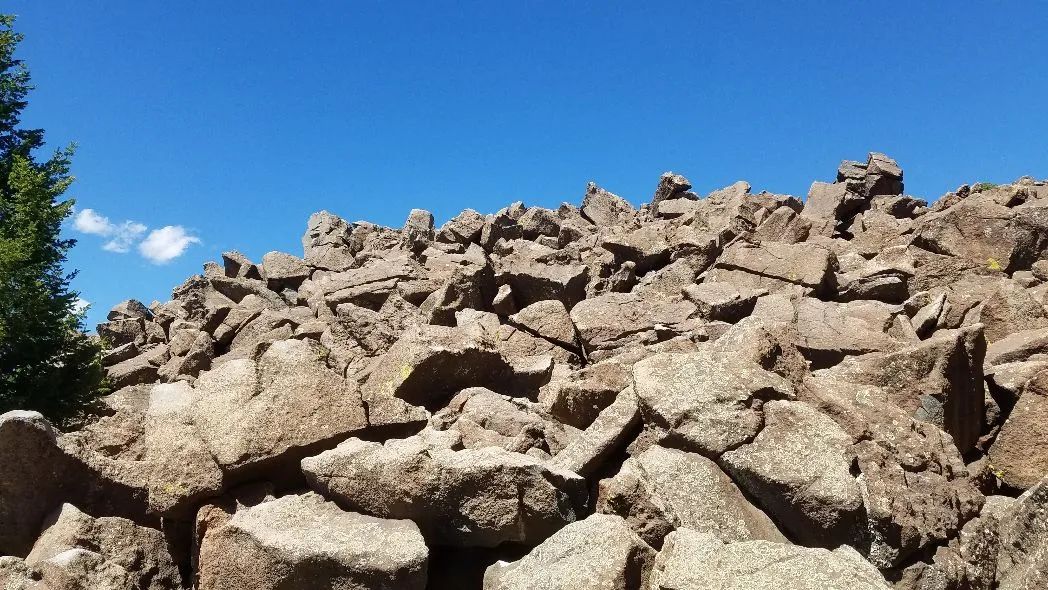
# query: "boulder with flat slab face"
[[774, 266], [1019, 455], [798, 469], [664, 489], [692, 560], [429, 364], [598, 552], [939, 380], [705, 402], [304, 541], [468, 497], [613, 320]]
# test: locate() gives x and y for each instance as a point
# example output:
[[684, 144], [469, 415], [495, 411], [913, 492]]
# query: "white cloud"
[[90, 222], [165, 244], [121, 235]]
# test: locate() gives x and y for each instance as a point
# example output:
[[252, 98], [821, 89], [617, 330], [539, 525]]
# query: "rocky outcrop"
[[721, 390]]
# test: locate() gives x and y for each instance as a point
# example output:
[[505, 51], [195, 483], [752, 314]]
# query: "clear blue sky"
[[233, 121]]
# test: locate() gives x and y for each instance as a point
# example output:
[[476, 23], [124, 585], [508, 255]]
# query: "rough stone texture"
[[1020, 454], [468, 497], [664, 489], [136, 555], [776, 267], [939, 380], [705, 402], [614, 319], [307, 542], [799, 470], [692, 560], [598, 552], [859, 370]]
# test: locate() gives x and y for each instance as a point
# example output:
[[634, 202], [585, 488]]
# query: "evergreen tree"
[[47, 363]]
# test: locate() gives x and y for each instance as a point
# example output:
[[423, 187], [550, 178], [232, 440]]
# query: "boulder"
[[484, 418], [468, 497], [428, 364], [692, 560], [1019, 455], [705, 402], [283, 271], [137, 556], [130, 309], [722, 302], [598, 552], [606, 209], [798, 469], [305, 542], [939, 380], [663, 489], [615, 319], [327, 242], [774, 266], [672, 186], [606, 435]]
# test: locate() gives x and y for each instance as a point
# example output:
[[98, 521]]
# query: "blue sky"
[[223, 125]]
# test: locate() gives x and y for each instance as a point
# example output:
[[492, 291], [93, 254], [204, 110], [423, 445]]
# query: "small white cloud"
[[165, 244], [90, 222], [123, 236]]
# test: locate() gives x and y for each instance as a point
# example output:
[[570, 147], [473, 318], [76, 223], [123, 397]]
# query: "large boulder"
[[428, 364], [798, 469], [135, 556], [692, 560], [939, 380], [705, 402], [598, 552], [663, 489], [613, 320], [468, 497], [776, 266], [306, 542], [1019, 455]]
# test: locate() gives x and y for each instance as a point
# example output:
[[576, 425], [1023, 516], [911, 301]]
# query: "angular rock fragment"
[[704, 402], [614, 319], [133, 556], [775, 267], [722, 302], [798, 469], [470, 497], [1019, 455], [304, 541], [939, 380], [691, 560], [598, 552], [664, 489], [605, 435], [429, 364], [605, 209]]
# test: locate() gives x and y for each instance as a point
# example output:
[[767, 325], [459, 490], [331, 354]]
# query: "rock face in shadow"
[[717, 389]]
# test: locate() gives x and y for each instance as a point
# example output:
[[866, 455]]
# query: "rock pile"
[[732, 391]]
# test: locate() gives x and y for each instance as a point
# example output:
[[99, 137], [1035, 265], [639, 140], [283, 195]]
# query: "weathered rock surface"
[[705, 402], [305, 541], [664, 489], [598, 552], [464, 497], [691, 560], [736, 390], [799, 469]]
